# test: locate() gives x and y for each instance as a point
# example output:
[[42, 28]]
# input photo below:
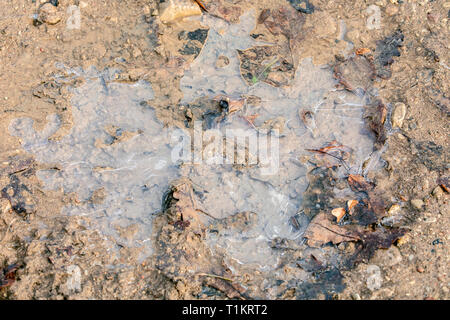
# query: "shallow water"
[[118, 158]]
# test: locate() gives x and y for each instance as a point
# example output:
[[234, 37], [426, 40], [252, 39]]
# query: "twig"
[[214, 276], [331, 155], [201, 5]]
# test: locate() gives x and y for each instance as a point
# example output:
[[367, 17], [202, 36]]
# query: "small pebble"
[[223, 104], [399, 114], [417, 203], [394, 209], [438, 192], [49, 14], [356, 296], [420, 269], [374, 280]]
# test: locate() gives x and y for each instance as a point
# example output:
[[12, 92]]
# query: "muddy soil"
[[356, 92]]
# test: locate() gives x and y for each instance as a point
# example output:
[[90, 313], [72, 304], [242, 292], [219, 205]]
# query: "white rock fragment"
[[398, 115], [374, 279], [417, 203], [74, 282]]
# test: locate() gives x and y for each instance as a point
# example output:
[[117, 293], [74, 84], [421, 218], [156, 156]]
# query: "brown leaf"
[[332, 155], [350, 205], [358, 183], [8, 275], [362, 51], [184, 209], [376, 122], [321, 230], [263, 15], [356, 73], [286, 21], [339, 213], [224, 10], [373, 240]]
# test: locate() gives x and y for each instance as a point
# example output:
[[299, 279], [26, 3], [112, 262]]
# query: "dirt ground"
[[402, 55]]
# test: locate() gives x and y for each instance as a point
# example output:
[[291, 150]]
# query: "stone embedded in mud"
[[173, 10], [374, 280], [398, 115], [417, 203], [387, 257], [49, 14]]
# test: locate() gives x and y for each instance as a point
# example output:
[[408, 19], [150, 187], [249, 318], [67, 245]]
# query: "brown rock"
[[49, 14]]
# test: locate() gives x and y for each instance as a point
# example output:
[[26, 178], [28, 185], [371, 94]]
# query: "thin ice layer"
[[336, 115], [116, 148]]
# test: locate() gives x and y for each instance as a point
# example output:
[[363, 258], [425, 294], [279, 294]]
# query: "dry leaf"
[[379, 239], [321, 230], [184, 209], [356, 73], [362, 51], [8, 276], [358, 183], [333, 154], [376, 122], [339, 213], [350, 205]]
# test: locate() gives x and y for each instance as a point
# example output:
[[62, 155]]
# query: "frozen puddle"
[[115, 151], [119, 159]]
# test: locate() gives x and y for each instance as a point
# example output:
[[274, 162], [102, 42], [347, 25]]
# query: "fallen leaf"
[[321, 230], [333, 154], [376, 120], [184, 209], [362, 51], [287, 22], [350, 205], [8, 275], [372, 240], [224, 10], [339, 213], [355, 74], [263, 15], [358, 183]]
